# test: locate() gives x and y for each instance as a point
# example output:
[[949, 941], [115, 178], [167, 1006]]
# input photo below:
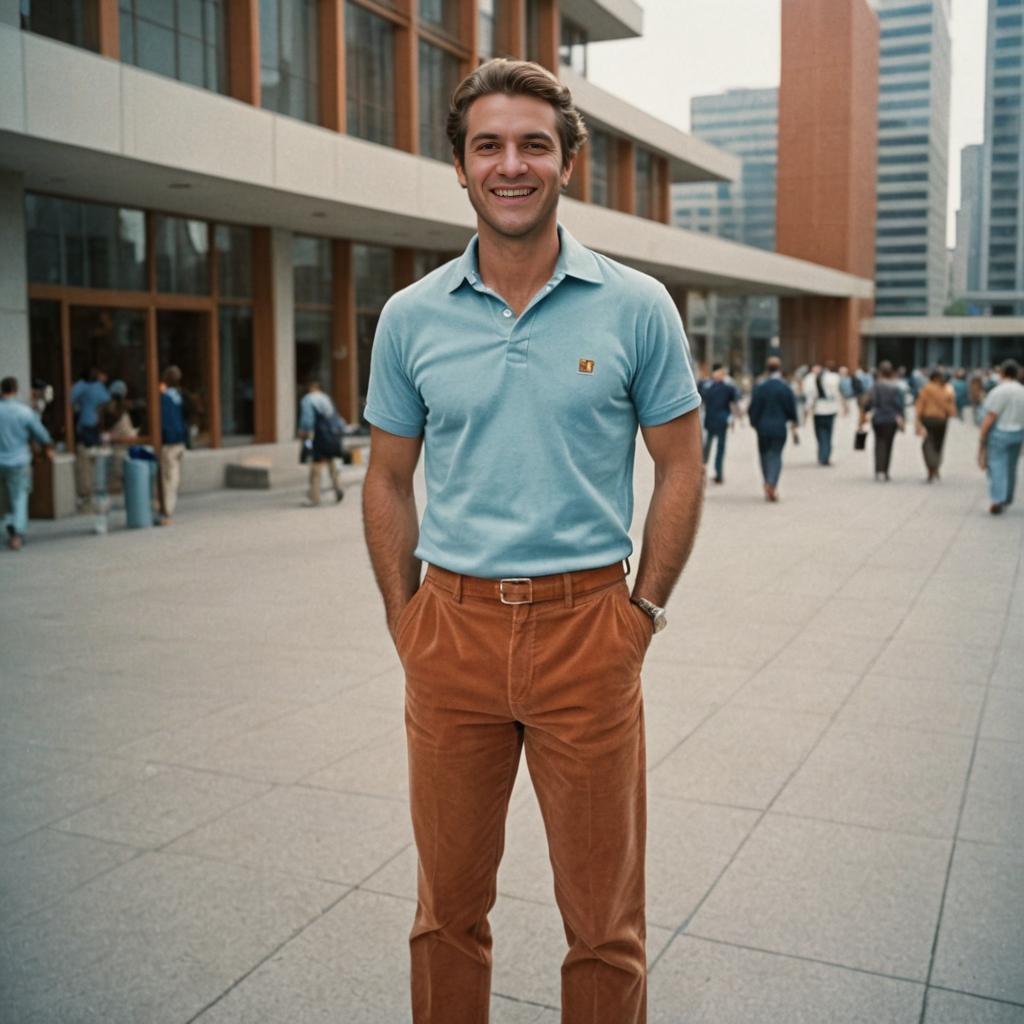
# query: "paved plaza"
[[203, 782]]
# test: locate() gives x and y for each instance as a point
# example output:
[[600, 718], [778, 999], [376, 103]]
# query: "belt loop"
[[567, 588], [457, 592]]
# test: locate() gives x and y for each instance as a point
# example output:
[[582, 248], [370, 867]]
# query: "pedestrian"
[[118, 430], [824, 401], [976, 395], [321, 429], [174, 439], [885, 401], [19, 427], [88, 396], [772, 409], [1002, 434], [959, 383], [935, 406], [524, 368], [721, 404]]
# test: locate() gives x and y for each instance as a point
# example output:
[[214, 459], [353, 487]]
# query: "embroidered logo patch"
[[586, 366]]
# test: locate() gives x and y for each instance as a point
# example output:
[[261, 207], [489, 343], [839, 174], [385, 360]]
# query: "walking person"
[[321, 427], [523, 369], [885, 402], [772, 409], [174, 439], [934, 408], [20, 426], [1002, 434], [721, 405], [89, 395], [824, 401]]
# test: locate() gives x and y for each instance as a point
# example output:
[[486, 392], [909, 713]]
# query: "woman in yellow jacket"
[[935, 405]]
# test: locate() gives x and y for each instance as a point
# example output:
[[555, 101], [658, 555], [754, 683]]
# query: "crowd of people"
[[882, 399]]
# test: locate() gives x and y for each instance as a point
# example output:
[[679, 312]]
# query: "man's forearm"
[[669, 531], [392, 529]]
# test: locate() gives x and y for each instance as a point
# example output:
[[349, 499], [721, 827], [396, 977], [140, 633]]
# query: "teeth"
[[510, 193]]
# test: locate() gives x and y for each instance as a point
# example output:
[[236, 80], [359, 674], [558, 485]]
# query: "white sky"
[[697, 47]]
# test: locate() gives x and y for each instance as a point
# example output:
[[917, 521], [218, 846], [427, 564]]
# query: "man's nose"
[[512, 163]]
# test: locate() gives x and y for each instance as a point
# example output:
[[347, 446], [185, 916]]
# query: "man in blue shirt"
[[19, 426], [772, 409], [524, 369], [174, 440], [316, 406], [88, 396], [721, 402]]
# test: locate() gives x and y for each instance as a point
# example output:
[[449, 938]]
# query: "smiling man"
[[524, 368]]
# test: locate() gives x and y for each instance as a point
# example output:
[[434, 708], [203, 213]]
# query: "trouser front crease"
[[559, 678]]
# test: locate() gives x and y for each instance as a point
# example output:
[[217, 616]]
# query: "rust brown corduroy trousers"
[[558, 671]]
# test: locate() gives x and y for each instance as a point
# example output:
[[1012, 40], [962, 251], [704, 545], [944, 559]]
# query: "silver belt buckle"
[[515, 579]]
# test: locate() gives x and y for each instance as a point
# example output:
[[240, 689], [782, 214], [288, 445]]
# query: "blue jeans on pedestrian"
[[770, 450], [1003, 452], [823, 432], [17, 483], [710, 435]]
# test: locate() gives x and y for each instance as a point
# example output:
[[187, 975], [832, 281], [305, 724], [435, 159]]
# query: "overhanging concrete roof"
[[605, 19], [942, 326]]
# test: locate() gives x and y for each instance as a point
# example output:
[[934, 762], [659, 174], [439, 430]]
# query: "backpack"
[[327, 434]]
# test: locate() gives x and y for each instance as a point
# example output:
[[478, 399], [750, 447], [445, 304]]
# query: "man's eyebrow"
[[526, 136]]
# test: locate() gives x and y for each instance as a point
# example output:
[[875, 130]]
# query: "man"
[[824, 400], [174, 438], [316, 416], [721, 402], [772, 407], [19, 427], [524, 368], [88, 396], [1002, 434]]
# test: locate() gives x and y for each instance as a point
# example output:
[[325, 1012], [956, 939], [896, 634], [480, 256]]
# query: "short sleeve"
[[663, 386], [995, 401], [393, 403]]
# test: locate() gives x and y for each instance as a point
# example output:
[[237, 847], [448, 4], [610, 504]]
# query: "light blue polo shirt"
[[529, 423]]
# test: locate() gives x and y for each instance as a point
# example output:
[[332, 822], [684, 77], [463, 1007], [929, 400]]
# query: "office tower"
[[913, 157], [744, 122], [1001, 263], [967, 255]]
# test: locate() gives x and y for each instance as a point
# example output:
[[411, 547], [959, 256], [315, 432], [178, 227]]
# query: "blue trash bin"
[[139, 475]]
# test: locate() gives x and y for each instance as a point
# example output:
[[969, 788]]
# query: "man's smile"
[[514, 194]]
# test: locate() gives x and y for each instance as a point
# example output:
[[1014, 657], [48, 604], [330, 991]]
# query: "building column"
[[625, 175], [244, 50], [958, 350], [109, 26], [332, 64], [282, 318], [14, 336]]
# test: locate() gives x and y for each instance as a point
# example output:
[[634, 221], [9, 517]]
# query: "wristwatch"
[[657, 615]]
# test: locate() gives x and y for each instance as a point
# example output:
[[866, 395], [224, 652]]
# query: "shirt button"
[[506, 313]]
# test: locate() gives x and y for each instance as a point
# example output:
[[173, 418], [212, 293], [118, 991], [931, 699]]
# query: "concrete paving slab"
[[888, 779], [666, 726], [1004, 715], [161, 808], [830, 653], [954, 1008], [309, 833], [810, 690], [154, 940], [698, 980], [918, 659], [995, 795], [740, 756], [381, 769], [856, 617], [982, 930], [685, 684], [923, 705], [24, 764], [929, 622], [1009, 670], [851, 896], [42, 867]]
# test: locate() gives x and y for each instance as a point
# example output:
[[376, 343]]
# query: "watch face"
[[660, 621]]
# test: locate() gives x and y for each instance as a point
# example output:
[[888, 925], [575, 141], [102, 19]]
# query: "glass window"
[[485, 32], [439, 76], [47, 363], [314, 315], [311, 260], [236, 372], [289, 59], [87, 245], [424, 262], [182, 256], [70, 21], [602, 169], [369, 75], [373, 286], [441, 14], [644, 184], [182, 39], [234, 261], [532, 31], [573, 48], [183, 340]]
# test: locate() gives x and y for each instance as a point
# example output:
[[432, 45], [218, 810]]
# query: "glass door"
[[183, 340]]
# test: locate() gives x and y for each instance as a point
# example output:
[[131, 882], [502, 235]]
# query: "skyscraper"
[[967, 256], [1001, 263], [744, 122], [913, 157]]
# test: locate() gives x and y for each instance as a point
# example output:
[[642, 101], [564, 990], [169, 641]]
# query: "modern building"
[[967, 254], [744, 122], [913, 157], [237, 187], [828, 109]]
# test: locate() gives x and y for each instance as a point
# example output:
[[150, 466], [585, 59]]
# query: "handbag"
[[860, 440]]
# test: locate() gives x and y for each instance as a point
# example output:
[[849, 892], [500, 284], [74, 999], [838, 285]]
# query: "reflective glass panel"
[[182, 256], [46, 363], [70, 21], [313, 331], [236, 372], [234, 261], [369, 75], [311, 259], [289, 58], [439, 76], [441, 14], [183, 340], [374, 281]]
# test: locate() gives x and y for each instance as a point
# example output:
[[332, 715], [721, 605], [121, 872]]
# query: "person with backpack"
[[321, 429]]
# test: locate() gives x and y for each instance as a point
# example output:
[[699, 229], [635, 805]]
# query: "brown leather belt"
[[527, 589]]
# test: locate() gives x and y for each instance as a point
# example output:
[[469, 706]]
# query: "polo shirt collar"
[[574, 260]]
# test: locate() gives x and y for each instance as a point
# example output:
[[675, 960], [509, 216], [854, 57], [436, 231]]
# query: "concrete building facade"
[[828, 107], [967, 254], [913, 157]]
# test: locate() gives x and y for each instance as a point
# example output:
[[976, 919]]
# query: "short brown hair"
[[172, 376], [515, 78]]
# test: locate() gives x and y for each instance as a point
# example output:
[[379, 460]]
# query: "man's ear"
[[567, 172], [460, 172]]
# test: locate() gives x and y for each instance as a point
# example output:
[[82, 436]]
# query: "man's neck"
[[517, 268]]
